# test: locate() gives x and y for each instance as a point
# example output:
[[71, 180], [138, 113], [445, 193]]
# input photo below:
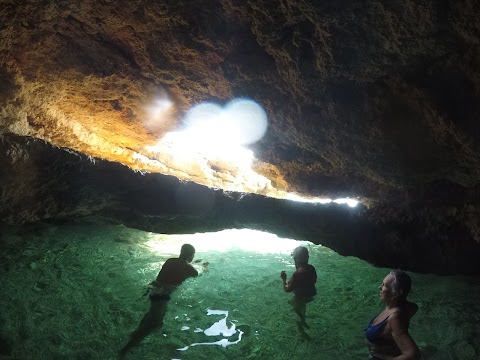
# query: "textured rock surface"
[[364, 98], [44, 183]]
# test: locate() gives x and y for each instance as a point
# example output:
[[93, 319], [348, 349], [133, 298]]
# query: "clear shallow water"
[[75, 292]]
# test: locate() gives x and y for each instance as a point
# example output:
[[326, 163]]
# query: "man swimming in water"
[[302, 284], [174, 272]]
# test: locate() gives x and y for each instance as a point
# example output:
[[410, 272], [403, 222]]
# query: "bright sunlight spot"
[[239, 122], [161, 106], [217, 133], [295, 197], [210, 148], [348, 201], [224, 241]]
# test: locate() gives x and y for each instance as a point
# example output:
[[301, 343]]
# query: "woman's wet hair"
[[300, 255], [401, 285], [187, 251]]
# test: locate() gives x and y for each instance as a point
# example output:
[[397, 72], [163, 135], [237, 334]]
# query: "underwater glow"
[[224, 241]]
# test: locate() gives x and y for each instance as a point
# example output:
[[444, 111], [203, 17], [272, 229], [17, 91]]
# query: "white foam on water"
[[223, 343], [218, 328]]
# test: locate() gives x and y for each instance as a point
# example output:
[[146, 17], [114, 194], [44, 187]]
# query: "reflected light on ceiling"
[[295, 197], [191, 143], [216, 133], [210, 149], [161, 106], [239, 122], [348, 201]]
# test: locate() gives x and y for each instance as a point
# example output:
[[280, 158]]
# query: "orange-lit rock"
[[361, 100]]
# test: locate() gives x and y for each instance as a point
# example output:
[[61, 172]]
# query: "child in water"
[[302, 284]]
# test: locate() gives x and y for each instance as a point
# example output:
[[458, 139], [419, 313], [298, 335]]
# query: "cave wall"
[[40, 182], [365, 98], [373, 99]]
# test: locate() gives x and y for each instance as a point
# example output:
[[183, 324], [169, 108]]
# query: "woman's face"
[[385, 287]]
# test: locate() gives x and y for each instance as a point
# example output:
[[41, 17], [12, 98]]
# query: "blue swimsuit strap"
[[372, 330], [381, 322]]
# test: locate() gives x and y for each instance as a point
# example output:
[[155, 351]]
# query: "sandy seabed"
[[75, 291]]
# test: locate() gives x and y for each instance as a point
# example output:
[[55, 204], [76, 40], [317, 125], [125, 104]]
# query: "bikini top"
[[372, 331]]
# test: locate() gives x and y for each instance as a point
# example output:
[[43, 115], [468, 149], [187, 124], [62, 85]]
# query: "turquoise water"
[[75, 292]]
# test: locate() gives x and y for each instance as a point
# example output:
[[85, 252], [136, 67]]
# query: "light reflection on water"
[[218, 328]]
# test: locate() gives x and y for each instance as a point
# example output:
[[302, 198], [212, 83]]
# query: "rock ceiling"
[[362, 97], [368, 99]]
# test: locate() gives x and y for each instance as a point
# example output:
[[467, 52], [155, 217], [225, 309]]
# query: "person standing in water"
[[302, 284], [174, 272], [387, 333]]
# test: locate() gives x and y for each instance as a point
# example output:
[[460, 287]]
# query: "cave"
[[345, 126]]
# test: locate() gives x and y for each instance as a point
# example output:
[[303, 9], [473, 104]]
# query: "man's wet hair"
[[300, 255], [187, 251]]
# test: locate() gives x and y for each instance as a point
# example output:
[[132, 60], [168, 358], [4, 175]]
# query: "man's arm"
[[287, 287], [200, 269]]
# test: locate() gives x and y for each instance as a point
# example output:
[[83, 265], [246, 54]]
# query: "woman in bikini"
[[387, 333]]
